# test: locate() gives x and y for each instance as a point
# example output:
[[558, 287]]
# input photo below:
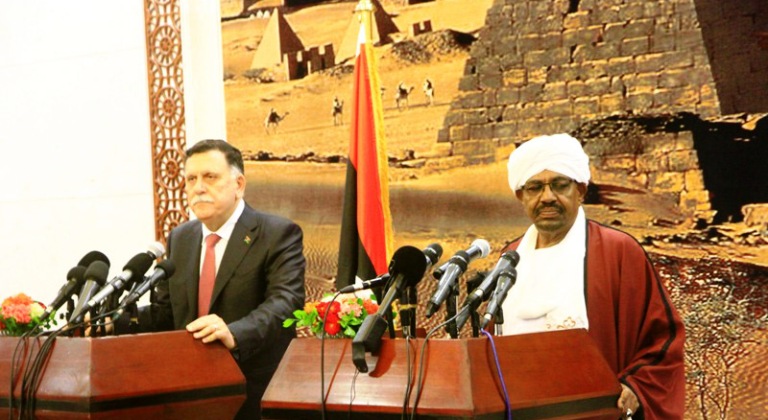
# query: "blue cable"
[[507, 406]]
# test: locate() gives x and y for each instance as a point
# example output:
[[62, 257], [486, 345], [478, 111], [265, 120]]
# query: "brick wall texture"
[[547, 66]]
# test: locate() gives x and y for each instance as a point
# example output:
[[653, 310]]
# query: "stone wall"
[[712, 168], [547, 66], [664, 163]]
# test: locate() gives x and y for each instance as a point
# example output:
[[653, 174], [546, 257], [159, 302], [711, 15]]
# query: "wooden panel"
[[548, 375], [169, 374]]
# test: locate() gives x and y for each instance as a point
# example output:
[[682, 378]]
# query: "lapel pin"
[[247, 240]]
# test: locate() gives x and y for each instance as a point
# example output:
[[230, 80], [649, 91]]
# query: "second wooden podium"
[[547, 375], [164, 375]]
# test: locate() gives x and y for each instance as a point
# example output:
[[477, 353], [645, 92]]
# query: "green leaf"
[[349, 332]]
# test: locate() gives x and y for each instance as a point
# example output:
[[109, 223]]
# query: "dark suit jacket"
[[259, 283]]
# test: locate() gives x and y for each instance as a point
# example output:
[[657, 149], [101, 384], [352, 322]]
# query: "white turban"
[[559, 153]]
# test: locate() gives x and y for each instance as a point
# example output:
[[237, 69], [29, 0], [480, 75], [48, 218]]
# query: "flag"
[[366, 227]]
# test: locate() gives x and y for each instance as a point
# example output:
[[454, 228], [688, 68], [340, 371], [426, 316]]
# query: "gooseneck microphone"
[[432, 253], [91, 257], [135, 267], [409, 297], [507, 279], [163, 270], [457, 265], [76, 278], [378, 281], [95, 277], [407, 267], [482, 292]]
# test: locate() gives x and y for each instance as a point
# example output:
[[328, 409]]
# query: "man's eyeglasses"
[[557, 185]]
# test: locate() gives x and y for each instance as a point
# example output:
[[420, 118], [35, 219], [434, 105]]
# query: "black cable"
[[409, 376], [322, 356], [33, 371], [419, 382], [26, 356], [33, 376], [352, 393]]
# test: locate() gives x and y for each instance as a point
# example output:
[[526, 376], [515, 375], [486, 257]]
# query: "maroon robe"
[[633, 321]]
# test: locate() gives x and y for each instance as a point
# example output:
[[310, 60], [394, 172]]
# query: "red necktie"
[[207, 275]]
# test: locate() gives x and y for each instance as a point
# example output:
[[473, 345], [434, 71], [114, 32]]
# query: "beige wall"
[[74, 130]]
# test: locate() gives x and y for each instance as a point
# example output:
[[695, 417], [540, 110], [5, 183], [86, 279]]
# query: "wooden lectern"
[[547, 375], [164, 375]]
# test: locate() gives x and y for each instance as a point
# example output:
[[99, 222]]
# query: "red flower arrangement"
[[344, 315], [20, 314]]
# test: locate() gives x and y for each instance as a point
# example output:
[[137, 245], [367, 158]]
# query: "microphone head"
[[139, 264], [433, 252], [409, 262], [77, 273], [157, 249], [91, 257], [483, 245], [168, 266], [98, 272], [512, 256]]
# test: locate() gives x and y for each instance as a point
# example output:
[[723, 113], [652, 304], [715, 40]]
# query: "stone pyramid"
[[279, 38]]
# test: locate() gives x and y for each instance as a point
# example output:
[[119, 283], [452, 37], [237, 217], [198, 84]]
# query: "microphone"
[[480, 248], [95, 277], [409, 297], [378, 281], [163, 270], [433, 252], [91, 257], [138, 265], [76, 278], [507, 279], [407, 267], [483, 291]]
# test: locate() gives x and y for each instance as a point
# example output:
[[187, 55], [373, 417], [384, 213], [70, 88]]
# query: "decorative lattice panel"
[[166, 107]]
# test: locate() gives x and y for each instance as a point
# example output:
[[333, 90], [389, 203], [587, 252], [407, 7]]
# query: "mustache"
[[201, 199], [552, 206]]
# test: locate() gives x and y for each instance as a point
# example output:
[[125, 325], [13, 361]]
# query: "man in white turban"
[[576, 273]]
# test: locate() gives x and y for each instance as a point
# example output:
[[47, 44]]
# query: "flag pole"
[[364, 9], [365, 246]]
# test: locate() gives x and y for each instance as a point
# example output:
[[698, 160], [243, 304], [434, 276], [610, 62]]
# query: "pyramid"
[[383, 26], [279, 38], [552, 71]]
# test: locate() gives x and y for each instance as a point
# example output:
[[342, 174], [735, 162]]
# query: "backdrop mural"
[[675, 147]]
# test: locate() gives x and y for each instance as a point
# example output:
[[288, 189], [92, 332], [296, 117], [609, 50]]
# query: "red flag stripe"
[[368, 155]]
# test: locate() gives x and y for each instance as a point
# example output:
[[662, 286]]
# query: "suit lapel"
[[191, 245], [243, 237]]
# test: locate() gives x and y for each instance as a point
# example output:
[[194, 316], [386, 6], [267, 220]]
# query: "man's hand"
[[210, 328], [628, 403], [108, 327]]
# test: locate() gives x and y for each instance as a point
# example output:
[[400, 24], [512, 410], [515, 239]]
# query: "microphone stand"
[[450, 310], [474, 317], [388, 315], [498, 321], [408, 300], [70, 308]]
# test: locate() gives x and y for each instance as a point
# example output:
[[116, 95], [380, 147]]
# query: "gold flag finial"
[[364, 10]]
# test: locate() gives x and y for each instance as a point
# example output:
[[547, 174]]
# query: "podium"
[[162, 375], [549, 375]]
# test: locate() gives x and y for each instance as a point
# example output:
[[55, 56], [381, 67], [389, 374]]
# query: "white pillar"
[[203, 66]]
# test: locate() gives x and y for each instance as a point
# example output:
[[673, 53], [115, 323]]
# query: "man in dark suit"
[[259, 271]]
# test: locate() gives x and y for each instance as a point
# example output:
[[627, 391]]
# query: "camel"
[[273, 120], [401, 97]]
